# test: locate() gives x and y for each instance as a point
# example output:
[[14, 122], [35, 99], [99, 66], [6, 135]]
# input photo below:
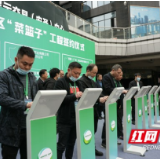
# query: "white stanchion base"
[[155, 126], [158, 121], [136, 150], [119, 158]]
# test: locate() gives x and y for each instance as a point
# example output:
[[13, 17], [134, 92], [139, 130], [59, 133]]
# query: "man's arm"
[[5, 99], [107, 85], [83, 85], [69, 98]]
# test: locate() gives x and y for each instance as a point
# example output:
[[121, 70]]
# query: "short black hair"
[[25, 51], [137, 74], [74, 65], [98, 75], [90, 67], [53, 72], [116, 67], [42, 71]]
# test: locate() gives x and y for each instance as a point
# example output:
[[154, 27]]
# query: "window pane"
[[89, 4], [110, 15], [96, 24], [100, 3], [89, 20], [94, 4], [101, 24], [108, 23], [86, 6], [106, 2], [98, 18]]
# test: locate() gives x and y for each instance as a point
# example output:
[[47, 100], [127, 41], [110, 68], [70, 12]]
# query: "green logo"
[[45, 153], [129, 118], [152, 105], [87, 137], [145, 108], [140, 113], [113, 125]]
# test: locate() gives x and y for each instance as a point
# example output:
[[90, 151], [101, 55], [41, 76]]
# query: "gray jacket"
[[13, 105]]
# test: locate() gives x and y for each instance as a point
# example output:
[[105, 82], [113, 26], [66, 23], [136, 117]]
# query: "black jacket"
[[66, 112], [134, 84], [13, 105], [49, 84], [88, 83], [108, 84], [40, 84]]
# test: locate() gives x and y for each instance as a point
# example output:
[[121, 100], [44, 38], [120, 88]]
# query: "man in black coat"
[[43, 76], [135, 83], [108, 85], [50, 82], [66, 113], [87, 82], [18, 88]]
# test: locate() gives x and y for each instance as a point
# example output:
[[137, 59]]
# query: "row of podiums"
[[42, 126]]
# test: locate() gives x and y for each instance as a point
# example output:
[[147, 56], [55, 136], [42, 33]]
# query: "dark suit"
[[40, 84], [108, 85], [88, 83], [134, 84], [49, 84]]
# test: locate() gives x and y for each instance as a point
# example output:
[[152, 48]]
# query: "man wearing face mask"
[[87, 82], [18, 88], [50, 82], [66, 113], [135, 83]]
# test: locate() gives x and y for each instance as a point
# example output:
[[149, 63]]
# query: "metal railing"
[[111, 32]]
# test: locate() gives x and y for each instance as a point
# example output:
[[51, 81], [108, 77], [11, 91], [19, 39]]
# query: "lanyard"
[[74, 91], [116, 83], [26, 89]]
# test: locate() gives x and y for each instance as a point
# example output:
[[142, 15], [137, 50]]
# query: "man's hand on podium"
[[29, 104]]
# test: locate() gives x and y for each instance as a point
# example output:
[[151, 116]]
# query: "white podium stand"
[[128, 148], [41, 125], [156, 95], [85, 123], [111, 123], [145, 108], [151, 108]]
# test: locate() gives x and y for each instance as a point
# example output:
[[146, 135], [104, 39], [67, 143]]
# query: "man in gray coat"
[[18, 88]]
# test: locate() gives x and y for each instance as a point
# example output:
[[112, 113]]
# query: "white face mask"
[[73, 79], [138, 79], [90, 77], [21, 71]]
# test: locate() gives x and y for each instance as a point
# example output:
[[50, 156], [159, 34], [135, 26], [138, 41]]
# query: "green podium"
[[138, 107], [128, 148], [41, 125], [85, 123], [111, 123], [151, 108], [156, 95], [145, 108]]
